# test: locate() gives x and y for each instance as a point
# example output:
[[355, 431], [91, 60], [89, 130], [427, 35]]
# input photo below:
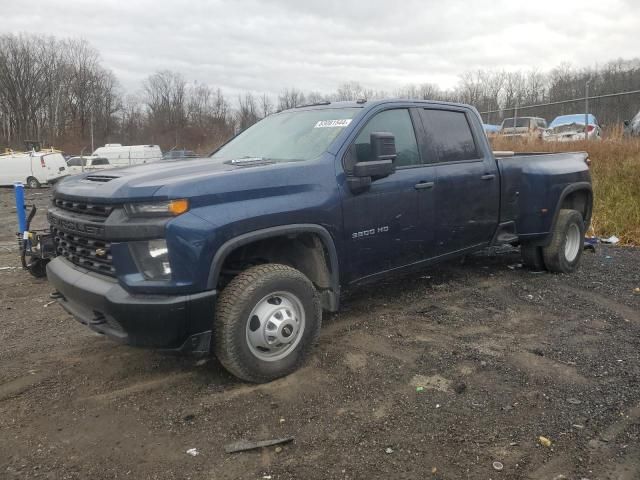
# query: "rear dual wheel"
[[564, 251], [532, 257]]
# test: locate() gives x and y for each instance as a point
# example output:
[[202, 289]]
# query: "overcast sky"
[[265, 46]]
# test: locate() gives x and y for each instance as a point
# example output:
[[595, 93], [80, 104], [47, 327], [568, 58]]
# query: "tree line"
[[57, 91]]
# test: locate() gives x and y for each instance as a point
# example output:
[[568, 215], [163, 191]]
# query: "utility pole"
[[92, 148], [586, 109]]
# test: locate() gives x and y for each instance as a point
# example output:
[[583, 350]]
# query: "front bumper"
[[171, 322]]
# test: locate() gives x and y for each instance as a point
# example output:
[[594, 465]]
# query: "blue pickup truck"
[[239, 253]]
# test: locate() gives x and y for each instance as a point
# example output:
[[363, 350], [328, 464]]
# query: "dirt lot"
[[504, 356]]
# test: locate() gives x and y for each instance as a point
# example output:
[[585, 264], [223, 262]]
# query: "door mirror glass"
[[382, 157], [382, 146]]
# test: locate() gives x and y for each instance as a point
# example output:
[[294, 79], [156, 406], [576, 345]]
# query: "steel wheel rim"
[[572, 243], [275, 326]]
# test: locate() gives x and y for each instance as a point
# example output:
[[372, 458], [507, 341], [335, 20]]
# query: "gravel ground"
[[503, 357]]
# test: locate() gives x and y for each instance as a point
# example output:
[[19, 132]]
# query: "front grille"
[[79, 237], [83, 207], [85, 252]]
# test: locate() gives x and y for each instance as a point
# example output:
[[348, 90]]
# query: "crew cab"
[[239, 253]]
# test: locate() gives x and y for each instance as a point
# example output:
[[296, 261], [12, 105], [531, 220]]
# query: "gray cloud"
[[265, 46]]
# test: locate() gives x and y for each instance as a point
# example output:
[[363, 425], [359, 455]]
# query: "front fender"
[[230, 245]]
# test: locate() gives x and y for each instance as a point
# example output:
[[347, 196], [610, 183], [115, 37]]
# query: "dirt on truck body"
[[438, 375]]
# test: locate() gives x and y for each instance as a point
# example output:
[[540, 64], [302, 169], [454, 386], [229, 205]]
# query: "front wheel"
[[563, 253], [267, 319]]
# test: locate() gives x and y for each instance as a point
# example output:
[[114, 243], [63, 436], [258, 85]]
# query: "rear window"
[[449, 135], [518, 122]]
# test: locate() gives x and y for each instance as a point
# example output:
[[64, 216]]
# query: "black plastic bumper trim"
[[168, 322]]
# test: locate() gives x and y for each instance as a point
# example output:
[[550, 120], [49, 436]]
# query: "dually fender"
[[250, 237], [568, 190]]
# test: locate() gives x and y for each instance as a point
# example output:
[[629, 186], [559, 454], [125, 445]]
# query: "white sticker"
[[333, 123]]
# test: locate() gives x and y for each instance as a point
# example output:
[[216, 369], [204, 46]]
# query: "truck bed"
[[532, 187]]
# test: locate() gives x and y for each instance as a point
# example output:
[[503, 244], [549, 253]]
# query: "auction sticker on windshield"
[[333, 123]]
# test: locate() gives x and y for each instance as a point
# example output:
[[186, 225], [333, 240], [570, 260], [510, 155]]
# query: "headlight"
[[152, 259], [157, 209]]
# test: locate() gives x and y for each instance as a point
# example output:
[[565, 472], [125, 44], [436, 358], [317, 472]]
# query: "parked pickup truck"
[[239, 253]]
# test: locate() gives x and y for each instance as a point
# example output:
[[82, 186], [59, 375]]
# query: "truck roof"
[[371, 103]]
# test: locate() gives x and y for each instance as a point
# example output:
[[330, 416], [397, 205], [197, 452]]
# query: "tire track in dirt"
[[21, 385], [627, 313]]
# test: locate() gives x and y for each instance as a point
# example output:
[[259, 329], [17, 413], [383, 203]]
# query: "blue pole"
[[22, 217]]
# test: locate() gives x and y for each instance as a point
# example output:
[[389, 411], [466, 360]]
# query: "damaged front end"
[[568, 132]]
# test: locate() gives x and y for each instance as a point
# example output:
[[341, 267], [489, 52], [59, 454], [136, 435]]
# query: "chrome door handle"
[[488, 176], [423, 185]]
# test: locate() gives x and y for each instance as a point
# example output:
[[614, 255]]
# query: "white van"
[[125, 155], [32, 168], [77, 165]]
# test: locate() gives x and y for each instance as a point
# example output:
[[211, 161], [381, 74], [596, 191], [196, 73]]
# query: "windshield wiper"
[[314, 104], [249, 161]]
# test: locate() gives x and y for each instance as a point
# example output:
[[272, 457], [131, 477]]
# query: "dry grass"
[[615, 170]]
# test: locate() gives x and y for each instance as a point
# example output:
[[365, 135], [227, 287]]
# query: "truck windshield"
[[291, 135]]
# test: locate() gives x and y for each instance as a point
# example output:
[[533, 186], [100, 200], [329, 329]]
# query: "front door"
[[383, 226]]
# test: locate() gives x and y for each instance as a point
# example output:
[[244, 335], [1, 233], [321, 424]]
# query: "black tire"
[[233, 311], [555, 254], [38, 268], [33, 182], [532, 257]]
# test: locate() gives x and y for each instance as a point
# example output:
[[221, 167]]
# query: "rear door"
[[383, 225], [54, 166], [467, 189]]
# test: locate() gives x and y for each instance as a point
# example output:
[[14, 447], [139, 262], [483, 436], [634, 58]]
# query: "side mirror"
[[381, 164], [627, 123]]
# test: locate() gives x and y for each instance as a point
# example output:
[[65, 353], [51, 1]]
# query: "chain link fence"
[[611, 110]]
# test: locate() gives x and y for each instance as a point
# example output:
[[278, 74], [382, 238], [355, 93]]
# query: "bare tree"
[[290, 98], [165, 95], [266, 107], [247, 113]]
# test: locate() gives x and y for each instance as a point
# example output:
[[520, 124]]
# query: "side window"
[[542, 123], [100, 161], [448, 135], [397, 122], [73, 162]]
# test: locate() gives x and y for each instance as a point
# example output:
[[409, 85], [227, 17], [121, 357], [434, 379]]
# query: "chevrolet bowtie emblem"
[[101, 252]]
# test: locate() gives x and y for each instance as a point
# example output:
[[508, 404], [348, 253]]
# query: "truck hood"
[[165, 179]]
